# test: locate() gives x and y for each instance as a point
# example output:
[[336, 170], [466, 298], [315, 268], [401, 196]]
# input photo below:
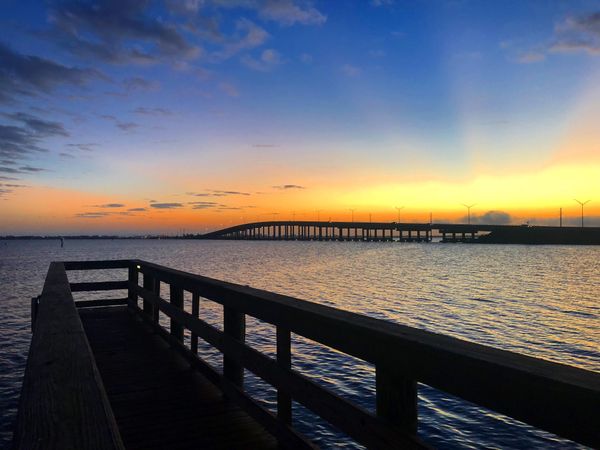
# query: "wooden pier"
[[108, 374]]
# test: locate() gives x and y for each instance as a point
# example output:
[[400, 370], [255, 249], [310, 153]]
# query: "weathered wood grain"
[[63, 403]]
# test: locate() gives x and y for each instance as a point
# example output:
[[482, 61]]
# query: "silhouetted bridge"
[[127, 372], [406, 232]]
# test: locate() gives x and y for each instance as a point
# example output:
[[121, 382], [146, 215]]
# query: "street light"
[[582, 204], [318, 211], [469, 212], [352, 211], [399, 208]]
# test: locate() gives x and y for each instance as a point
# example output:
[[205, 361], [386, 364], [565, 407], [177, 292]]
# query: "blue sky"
[[146, 99]]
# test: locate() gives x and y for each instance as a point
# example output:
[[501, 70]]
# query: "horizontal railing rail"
[[63, 404], [555, 397]]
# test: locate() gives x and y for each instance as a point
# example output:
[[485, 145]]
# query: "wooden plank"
[[63, 404], [157, 400], [558, 398], [103, 302], [99, 286], [94, 265]]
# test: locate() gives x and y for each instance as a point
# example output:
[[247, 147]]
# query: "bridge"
[[406, 232], [126, 372]]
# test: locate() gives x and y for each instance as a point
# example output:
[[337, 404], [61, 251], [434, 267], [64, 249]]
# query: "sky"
[[136, 116]]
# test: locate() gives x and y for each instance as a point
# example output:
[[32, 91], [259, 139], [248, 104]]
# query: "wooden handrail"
[[63, 403], [555, 397]]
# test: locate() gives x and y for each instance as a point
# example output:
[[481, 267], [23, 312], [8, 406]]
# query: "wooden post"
[[234, 326], [176, 296], [195, 313], [396, 398], [148, 285], [284, 359], [156, 290], [132, 296]]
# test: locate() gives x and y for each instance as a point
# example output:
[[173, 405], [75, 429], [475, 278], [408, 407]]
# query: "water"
[[537, 300]]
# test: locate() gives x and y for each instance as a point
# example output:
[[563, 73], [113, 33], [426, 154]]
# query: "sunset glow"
[[208, 114]]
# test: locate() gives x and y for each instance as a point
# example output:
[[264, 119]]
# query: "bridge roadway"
[[357, 231]]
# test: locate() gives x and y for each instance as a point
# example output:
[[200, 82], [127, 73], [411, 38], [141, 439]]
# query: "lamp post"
[[582, 205], [352, 212], [318, 211], [469, 212], [399, 208]]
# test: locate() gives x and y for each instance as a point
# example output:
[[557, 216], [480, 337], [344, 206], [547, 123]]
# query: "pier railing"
[[554, 397]]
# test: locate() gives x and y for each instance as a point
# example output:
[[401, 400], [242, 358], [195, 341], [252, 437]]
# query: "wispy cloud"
[[118, 32], [350, 70], [152, 111], [32, 75], [288, 186], [110, 205], [166, 205], [137, 209], [268, 60]]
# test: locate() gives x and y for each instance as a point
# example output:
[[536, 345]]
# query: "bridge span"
[[406, 232], [350, 231]]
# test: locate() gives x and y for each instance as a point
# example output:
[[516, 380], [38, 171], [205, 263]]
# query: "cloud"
[[206, 205], [22, 140], [288, 186], [140, 84], [578, 34], [350, 70], [265, 145], [127, 126], [269, 59], [530, 57], [31, 75], [229, 89], [89, 147], [166, 205], [137, 209], [289, 12], [40, 128], [66, 155], [247, 36], [110, 205], [152, 111], [225, 193], [91, 215], [492, 218], [118, 32], [378, 3]]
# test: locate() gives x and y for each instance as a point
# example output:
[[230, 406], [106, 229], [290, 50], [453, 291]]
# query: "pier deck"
[[158, 401], [126, 373]]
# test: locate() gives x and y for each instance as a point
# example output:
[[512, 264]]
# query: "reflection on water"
[[537, 300]]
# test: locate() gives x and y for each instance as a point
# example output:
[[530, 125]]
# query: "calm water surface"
[[537, 300]]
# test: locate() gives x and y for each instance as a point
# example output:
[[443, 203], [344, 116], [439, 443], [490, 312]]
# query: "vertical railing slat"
[[176, 298], [396, 398], [147, 306], [133, 278], [195, 313], [235, 326], [284, 359]]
